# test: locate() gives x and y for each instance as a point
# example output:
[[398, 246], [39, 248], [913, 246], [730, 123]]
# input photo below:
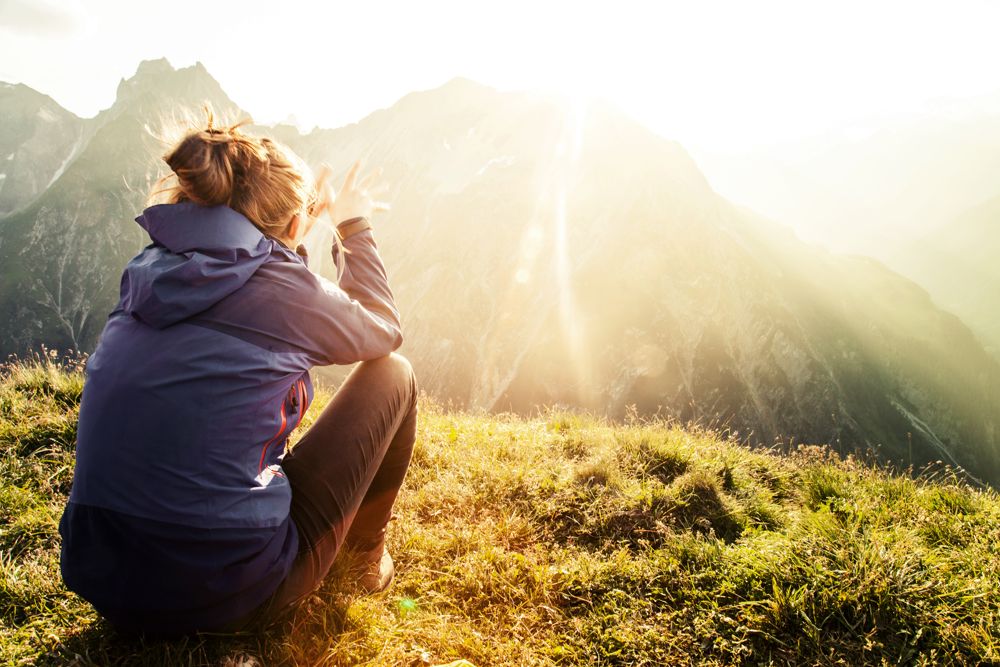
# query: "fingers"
[[324, 191], [370, 178], [351, 180], [355, 192], [351, 175], [322, 174]]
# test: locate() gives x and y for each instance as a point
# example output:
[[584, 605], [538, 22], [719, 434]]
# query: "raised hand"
[[355, 197]]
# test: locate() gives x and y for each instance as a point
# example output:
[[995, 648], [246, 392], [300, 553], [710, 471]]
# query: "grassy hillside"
[[563, 539]]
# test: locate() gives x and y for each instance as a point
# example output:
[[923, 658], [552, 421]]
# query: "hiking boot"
[[375, 571], [366, 538]]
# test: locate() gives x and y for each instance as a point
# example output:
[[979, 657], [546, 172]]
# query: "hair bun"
[[260, 178], [217, 135], [209, 162], [203, 165]]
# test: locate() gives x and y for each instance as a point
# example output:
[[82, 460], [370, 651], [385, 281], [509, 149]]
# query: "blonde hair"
[[260, 178]]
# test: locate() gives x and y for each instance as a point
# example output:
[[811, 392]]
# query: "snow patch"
[[11, 156], [47, 115], [447, 146], [65, 163]]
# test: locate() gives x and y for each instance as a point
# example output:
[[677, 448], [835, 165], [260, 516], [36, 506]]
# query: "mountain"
[[872, 184], [543, 253], [919, 191], [37, 139], [62, 253], [957, 263]]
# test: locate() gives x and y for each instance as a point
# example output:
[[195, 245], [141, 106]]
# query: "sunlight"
[[544, 247], [565, 164]]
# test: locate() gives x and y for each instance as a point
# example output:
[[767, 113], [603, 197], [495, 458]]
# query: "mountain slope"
[[616, 277], [38, 138], [957, 263], [546, 253]]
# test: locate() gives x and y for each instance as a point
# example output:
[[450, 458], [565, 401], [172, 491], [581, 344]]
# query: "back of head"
[[256, 176]]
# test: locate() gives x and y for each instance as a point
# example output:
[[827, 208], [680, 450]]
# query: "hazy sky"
[[710, 74]]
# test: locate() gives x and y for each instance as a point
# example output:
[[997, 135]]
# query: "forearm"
[[364, 276]]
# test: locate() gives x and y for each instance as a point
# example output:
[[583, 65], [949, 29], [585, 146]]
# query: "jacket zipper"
[[263, 453], [299, 401], [298, 396]]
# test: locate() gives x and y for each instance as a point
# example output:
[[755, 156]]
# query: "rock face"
[[547, 253], [38, 138]]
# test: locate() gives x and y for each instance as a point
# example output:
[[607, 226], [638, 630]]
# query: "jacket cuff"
[[352, 226]]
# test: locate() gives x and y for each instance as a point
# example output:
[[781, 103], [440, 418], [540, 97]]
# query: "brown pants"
[[345, 473]]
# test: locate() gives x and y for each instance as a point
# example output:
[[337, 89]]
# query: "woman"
[[185, 513]]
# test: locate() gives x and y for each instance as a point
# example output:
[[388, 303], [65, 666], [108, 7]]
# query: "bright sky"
[[711, 74]]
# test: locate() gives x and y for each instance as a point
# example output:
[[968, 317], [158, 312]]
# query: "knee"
[[400, 370], [400, 363], [403, 371], [401, 366]]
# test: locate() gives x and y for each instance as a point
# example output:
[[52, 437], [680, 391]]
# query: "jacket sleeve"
[[363, 319], [357, 320], [285, 307]]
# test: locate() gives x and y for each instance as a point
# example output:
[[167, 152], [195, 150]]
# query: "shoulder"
[[288, 274]]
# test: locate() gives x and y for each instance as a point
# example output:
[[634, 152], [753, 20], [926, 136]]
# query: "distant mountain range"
[[919, 191], [959, 263], [871, 185], [540, 253]]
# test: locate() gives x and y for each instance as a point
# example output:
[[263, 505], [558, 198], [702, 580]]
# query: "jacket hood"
[[199, 256]]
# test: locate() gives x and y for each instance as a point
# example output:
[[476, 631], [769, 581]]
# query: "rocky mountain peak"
[[160, 81], [22, 96], [154, 66], [147, 69]]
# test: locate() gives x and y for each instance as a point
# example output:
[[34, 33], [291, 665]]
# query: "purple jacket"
[[179, 514]]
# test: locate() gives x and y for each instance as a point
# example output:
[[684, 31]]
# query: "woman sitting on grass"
[[186, 514]]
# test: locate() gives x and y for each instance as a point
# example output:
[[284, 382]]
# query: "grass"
[[563, 539]]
